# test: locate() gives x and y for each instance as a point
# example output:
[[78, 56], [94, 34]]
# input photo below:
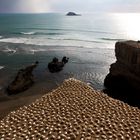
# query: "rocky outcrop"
[[56, 66], [23, 80], [123, 81], [72, 14]]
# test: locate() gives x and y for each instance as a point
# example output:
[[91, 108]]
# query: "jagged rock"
[[56, 66], [23, 80], [72, 14], [123, 81]]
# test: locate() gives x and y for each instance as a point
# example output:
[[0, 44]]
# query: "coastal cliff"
[[123, 80]]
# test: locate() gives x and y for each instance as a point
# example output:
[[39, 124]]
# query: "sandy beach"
[[10, 103]]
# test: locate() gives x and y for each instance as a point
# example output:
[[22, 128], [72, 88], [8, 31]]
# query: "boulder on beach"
[[55, 65], [72, 14], [123, 80], [23, 80]]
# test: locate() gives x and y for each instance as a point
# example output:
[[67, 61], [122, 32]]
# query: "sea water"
[[88, 41]]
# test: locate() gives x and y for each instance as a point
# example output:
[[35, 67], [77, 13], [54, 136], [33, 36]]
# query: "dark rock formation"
[[56, 66], [23, 80], [65, 60], [72, 14], [123, 81]]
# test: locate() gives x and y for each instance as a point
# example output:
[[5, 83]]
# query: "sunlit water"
[[88, 41]]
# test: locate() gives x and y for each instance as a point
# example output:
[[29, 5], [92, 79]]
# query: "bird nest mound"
[[73, 111]]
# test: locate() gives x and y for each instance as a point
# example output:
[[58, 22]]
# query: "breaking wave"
[[58, 41], [43, 41], [9, 50], [1, 67], [112, 39], [38, 33], [28, 33], [73, 30]]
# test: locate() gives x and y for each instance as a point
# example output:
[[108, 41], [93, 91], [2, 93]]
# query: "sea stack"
[[123, 80], [72, 14], [23, 80]]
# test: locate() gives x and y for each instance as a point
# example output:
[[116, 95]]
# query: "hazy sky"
[[69, 5]]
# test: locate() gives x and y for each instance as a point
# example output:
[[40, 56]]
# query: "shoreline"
[[13, 102], [91, 69]]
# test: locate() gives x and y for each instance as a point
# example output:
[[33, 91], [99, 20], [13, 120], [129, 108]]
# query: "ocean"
[[88, 41]]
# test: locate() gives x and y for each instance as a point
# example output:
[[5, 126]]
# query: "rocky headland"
[[123, 80]]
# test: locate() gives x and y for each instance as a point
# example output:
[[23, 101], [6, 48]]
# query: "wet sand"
[[13, 102]]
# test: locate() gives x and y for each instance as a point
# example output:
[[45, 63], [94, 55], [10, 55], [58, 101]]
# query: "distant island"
[[72, 14]]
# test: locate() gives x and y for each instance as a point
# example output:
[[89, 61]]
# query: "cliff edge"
[[123, 80]]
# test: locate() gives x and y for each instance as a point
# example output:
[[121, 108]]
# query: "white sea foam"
[[9, 50], [33, 51], [28, 33], [1, 67], [13, 40], [55, 42]]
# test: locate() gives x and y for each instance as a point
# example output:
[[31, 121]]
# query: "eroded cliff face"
[[128, 54], [123, 80]]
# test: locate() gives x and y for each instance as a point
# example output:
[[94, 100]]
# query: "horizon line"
[[61, 12]]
